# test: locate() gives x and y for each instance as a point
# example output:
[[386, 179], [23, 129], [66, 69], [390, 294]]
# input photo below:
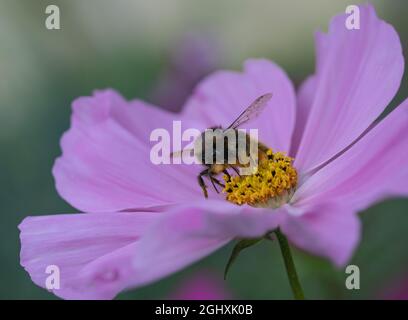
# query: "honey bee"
[[218, 161]]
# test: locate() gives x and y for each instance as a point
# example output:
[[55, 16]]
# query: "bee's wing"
[[254, 110]]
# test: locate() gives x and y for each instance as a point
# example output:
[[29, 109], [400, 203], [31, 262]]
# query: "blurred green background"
[[131, 46]]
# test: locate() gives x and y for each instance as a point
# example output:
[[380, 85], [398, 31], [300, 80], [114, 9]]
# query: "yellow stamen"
[[271, 185]]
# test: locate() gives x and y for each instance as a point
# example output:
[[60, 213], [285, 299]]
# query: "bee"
[[207, 154]]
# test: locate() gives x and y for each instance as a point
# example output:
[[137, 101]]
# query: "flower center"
[[272, 185]]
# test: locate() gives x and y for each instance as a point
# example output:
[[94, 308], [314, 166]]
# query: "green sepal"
[[241, 245]]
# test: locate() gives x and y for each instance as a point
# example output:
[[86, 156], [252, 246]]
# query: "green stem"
[[290, 266]]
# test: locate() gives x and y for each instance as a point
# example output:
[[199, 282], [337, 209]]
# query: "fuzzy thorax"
[[272, 185]]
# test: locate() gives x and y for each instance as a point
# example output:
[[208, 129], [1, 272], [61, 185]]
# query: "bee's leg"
[[212, 181], [227, 174], [236, 170], [218, 182], [201, 182]]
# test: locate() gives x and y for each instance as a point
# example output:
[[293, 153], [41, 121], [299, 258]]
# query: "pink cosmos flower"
[[396, 289], [201, 286], [144, 221], [399, 293], [192, 58]]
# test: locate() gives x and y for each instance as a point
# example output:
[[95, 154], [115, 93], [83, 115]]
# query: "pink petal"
[[304, 104], [137, 117], [307, 92], [326, 230], [396, 290], [106, 166], [74, 241], [190, 233], [202, 286], [358, 73], [371, 170], [101, 254], [221, 97]]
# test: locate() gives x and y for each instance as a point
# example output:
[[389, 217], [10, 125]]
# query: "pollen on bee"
[[273, 181]]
